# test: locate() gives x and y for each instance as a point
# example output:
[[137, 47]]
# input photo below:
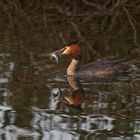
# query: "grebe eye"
[[65, 48]]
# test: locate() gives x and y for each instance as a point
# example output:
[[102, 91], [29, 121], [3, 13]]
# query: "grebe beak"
[[57, 55]]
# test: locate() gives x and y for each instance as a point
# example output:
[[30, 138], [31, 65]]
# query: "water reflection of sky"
[[108, 111]]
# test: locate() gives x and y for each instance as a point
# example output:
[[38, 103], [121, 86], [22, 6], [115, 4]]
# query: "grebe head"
[[72, 50]]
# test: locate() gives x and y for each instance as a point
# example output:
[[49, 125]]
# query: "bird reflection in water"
[[74, 98]]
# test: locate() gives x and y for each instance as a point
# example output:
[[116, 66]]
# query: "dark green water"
[[31, 107]]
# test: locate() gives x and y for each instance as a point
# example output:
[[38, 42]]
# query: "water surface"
[[33, 105]]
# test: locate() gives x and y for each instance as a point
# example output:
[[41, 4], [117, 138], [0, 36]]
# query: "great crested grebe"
[[97, 69]]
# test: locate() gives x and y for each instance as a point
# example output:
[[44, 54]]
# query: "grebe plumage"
[[97, 69]]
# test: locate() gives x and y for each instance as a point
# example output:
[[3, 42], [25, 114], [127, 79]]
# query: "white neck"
[[73, 67]]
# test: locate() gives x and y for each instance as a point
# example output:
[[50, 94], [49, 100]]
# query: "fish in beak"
[[57, 55]]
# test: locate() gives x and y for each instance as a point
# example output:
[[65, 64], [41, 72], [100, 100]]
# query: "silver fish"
[[56, 55]]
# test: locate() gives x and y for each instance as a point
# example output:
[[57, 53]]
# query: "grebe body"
[[105, 68]]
